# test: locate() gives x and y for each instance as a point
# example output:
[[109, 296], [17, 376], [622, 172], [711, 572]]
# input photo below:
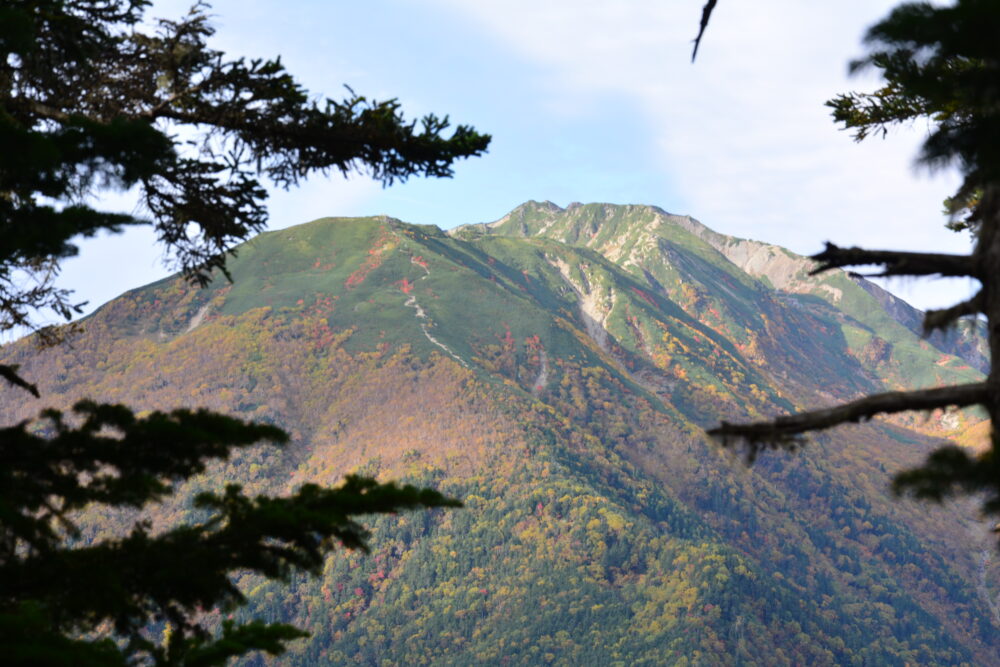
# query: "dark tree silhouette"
[[706, 16], [91, 100], [940, 65]]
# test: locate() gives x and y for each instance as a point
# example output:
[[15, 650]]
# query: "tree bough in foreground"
[[90, 100], [941, 65], [53, 596]]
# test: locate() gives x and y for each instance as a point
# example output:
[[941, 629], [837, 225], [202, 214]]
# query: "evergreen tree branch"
[[91, 100], [236, 640], [119, 460], [87, 106], [951, 471], [942, 319], [706, 14], [783, 431], [9, 373], [28, 640], [896, 263], [112, 457], [173, 575]]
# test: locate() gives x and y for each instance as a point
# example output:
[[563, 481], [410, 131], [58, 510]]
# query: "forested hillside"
[[555, 370]]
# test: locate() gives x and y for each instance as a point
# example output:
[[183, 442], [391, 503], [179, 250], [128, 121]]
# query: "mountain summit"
[[555, 369]]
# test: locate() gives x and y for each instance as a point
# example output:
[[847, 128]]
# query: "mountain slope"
[[554, 371], [763, 295]]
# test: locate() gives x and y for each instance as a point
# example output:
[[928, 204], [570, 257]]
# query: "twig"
[[945, 317], [896, 263], [9, 373], [788, 426], [706, 14]]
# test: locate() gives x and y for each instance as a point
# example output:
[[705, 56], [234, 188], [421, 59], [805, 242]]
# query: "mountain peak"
[[649, 241], [613, 230], [558, 384]]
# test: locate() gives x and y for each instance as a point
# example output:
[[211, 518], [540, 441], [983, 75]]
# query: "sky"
[[595, 101]]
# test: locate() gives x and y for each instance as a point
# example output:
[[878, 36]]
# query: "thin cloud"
[[743, 134]]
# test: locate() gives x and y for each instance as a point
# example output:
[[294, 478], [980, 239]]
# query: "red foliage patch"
[[644, 296], [373, 262], [508, 338]]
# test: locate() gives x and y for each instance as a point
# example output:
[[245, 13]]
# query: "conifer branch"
[[9, 373], [783, 430], [945, 317], [43, 110], [706, 14], [896, 263]]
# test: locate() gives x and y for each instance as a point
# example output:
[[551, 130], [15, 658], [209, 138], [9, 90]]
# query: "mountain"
[[555, 370]]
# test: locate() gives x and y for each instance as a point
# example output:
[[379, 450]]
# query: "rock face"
[[778, 267], [554, 369]]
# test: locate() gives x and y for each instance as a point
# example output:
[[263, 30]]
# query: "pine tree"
[[90, 100], [940, 65]]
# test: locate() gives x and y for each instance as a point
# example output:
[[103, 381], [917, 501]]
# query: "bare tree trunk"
[[987, 254]]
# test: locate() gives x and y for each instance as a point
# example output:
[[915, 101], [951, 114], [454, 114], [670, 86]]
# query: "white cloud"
[[743, 134]]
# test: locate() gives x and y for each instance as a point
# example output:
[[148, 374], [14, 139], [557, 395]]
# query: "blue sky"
[[595, 101]]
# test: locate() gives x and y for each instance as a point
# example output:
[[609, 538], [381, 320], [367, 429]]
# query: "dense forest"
[[554, 371]]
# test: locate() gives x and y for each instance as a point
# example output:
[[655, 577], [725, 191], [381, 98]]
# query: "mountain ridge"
[[601, 525], [783, 270]]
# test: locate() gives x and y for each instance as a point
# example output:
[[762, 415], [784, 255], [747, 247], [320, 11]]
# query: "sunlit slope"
[[509, 310], [559, 390], [761, 296]]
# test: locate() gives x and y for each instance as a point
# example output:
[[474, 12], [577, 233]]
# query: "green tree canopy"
[[90, 99], [53, 595]]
